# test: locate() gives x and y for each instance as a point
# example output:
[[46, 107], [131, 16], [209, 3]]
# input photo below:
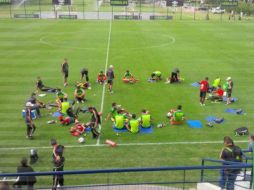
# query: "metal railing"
[[182, 183], [229, 163]]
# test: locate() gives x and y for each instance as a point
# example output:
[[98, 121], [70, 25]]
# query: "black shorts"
[[229, 94], [202, 94], [84, 72], [66, 74], [110, 81]]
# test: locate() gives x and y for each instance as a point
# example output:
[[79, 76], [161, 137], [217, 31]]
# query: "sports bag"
[[242, 131]]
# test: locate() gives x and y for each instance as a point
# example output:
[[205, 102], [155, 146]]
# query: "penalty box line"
[[123, 144]]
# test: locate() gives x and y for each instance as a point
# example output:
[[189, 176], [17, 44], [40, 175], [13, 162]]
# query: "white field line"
[[104, 85], [124, 144]]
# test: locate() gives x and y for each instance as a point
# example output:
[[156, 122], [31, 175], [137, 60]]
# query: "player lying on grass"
[[176, 116], [85, 85], [101, 78], [66, 120], [217, 94], [79, 95], [78, 129], [129, 78], [41, 87]]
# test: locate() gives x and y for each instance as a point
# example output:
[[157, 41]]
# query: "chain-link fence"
[[126, 9]]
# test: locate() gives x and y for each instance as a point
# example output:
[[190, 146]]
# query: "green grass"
[[31, 48]]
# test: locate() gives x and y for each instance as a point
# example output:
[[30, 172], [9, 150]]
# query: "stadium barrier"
[[127, 17], [98, 9], [153, 17], [26, 16], [184, 183], [65, 16]]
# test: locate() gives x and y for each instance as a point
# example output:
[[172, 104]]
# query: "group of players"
[[65, 106], [216, 91]]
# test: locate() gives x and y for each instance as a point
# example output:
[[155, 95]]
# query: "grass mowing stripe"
[[124, 144], [104, 86]]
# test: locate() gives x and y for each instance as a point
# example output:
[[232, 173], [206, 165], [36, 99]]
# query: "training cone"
[[111, 143]]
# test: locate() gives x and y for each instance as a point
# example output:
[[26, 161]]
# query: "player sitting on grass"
[[133, 124], [216, 95], [79, 95], [155, 76], [101, 78], [145, 119], [65, 106], [129, 78], [113, 111], [60, 97], [41, 87], [176, 116], [120, 120], [36, 104]]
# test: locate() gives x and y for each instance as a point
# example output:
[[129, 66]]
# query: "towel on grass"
[[142, 130], [234, 111], [194, 124], [233, 99], [145, 130], [195, 84], [124, 129], [56, 114], [213, 119]]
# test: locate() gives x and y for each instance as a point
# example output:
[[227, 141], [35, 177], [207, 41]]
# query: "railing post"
[[252, 164], [202, 171], [184, 173]]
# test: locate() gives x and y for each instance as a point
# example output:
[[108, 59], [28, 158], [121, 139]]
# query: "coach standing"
[[204, 86], [110, 75], [65, 71]]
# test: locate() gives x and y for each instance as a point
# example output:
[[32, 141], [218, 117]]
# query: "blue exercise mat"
[[56, 114], [143, 130], [195, 84], [225, 99], [194, 124], [234, 111], [119, 130], [213, 119]]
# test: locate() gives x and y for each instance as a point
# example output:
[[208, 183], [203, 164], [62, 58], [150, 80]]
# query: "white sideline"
[[124, 144], [104, 86]]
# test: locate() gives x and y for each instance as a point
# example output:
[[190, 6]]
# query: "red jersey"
[[220, 92], [204, 86]]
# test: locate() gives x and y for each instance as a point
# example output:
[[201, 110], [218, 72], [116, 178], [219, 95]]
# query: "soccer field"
[[31, 48]]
